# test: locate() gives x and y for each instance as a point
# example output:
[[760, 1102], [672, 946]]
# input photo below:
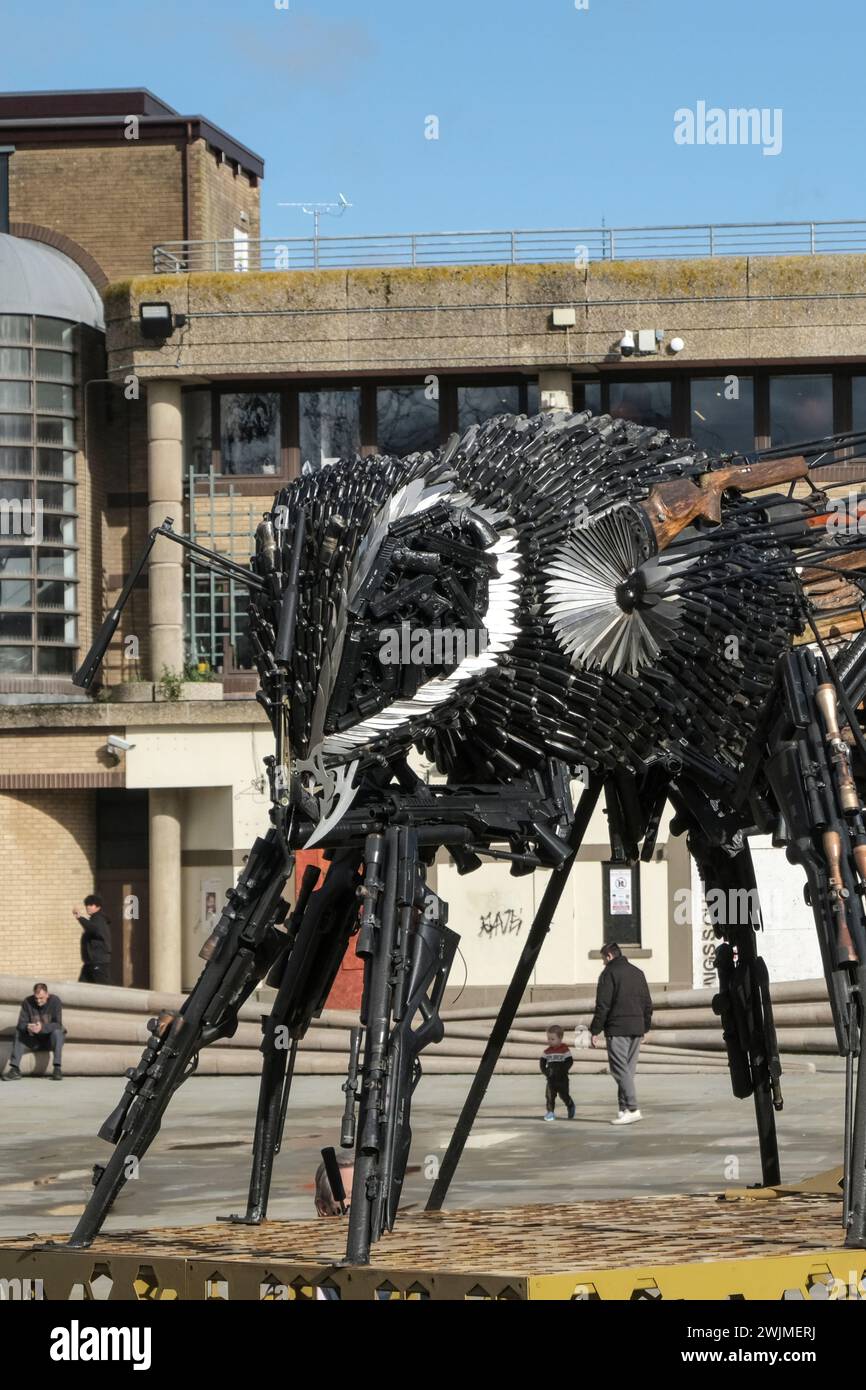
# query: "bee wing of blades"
[[582, 630], [581, 595], [590, 561]]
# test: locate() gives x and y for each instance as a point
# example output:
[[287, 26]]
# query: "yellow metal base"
[[643, 1248], [827, 1184]]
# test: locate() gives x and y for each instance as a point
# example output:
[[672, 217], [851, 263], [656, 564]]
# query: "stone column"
[[165, 806], [165, 498], [554, 388]]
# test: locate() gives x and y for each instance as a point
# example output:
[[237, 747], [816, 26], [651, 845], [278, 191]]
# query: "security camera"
[[116, 745], [677, 344], [626, 343]]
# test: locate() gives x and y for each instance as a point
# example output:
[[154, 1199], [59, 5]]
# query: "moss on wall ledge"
[[410, 285]]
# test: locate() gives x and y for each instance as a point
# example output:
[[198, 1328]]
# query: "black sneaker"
[[571, 1109], [13, 1074], [57, 1074]]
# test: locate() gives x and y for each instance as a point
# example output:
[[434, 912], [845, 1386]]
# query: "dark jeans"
[[557, 1085], [36, 1042], [95, 975]]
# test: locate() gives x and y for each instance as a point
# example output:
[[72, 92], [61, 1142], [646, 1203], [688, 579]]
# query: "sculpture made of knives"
[[542, 599]]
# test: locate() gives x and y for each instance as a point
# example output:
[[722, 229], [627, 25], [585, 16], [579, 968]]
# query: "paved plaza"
[[695, 1138]]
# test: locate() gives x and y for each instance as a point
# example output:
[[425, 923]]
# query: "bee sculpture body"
[[542, 600]]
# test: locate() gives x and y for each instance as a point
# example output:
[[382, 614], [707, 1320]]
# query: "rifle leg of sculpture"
[[855, 1154], [513, 995], [319, 934], [823, 830], [244, 945], [407, 951], [743, 1002], [376, 944]]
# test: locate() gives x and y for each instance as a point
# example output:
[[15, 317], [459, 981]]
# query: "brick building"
[[267, 371]]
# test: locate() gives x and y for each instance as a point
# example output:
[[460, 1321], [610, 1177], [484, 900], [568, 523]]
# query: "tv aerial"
[[319, 210]]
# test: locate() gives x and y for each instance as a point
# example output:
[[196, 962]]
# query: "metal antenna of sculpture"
[[542, 599]]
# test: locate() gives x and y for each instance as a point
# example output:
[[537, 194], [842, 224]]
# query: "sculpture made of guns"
[[542, 600]]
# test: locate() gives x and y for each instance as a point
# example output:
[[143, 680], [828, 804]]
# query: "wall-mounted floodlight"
[[156, 320]]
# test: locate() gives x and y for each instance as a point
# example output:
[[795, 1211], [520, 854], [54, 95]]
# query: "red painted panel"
[[349, 980]]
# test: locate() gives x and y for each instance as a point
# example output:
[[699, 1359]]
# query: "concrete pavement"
[[695, 1138]]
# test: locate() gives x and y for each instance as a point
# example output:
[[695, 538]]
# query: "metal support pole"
[[855, 1187], [765, 1119], [848, 1137], [514, 994]]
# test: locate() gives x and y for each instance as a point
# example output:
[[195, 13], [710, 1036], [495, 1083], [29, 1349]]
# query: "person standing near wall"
[[95, 941], [623, 1012]]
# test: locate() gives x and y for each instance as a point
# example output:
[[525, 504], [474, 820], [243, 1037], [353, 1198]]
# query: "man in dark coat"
[[623, 1012], [39, 1026], [95, 941]]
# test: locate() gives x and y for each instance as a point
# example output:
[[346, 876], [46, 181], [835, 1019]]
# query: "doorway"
[[122, 875]]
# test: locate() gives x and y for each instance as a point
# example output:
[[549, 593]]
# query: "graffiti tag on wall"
[[504, 923]]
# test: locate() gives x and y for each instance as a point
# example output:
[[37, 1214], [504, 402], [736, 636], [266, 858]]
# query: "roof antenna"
[[317, 211]]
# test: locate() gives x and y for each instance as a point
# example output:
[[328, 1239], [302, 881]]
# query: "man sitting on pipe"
[[39, 1027]]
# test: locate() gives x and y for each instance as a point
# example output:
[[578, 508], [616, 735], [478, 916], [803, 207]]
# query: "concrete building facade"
[[268, 373]]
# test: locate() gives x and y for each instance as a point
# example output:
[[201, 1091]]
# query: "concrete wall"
[[223, 811], [493, 912], [207, 839], [460, 318], [788, 943]]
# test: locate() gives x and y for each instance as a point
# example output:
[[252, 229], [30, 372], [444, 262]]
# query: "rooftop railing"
[[577, 245]]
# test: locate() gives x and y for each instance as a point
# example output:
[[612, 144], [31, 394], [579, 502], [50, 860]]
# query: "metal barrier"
[[578, 245]]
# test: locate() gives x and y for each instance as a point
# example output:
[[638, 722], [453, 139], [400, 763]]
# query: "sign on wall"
[[621, 902]]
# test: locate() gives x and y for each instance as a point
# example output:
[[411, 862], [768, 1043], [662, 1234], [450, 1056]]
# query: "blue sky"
[[549, 116]]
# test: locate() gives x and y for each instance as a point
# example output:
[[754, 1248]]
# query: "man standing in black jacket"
[[623, 1012], [95, 941], [40, 1025]]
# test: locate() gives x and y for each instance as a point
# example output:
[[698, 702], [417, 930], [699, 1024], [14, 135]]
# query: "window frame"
[[247, 484], [682, 376], [35, 478]]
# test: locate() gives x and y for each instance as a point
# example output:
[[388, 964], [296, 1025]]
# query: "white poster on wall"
[[788, 941], [209, 912], [620, 893]]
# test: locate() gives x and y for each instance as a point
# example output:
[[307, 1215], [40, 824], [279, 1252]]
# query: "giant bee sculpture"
[[542, 600]]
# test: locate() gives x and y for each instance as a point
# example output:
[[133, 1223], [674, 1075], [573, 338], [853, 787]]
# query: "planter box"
[[132, 692], [201, 690], [191, 690]]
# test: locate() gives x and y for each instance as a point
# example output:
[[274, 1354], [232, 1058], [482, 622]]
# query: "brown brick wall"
[[67, 750], [116, 199], [48, 845], [119, 198], [218, 195], [119, 469]]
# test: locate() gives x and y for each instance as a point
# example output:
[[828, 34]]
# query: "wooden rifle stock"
[[671, 507]]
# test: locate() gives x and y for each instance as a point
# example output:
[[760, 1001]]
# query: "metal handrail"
[[580, 245]]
